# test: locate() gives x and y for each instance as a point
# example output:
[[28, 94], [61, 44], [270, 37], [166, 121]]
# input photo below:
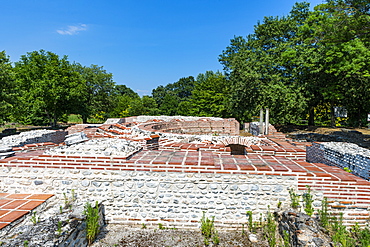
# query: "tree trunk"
[[332, 116], [84, 119], [311, 116]]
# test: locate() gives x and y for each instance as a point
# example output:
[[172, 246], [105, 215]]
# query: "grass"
[[77, 119]]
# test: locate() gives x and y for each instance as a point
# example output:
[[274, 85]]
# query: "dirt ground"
[[124, 236], [359, 136]]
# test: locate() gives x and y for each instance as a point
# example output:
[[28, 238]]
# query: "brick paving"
[[15, 206]]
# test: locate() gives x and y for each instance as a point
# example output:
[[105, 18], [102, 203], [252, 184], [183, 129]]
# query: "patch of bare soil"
[[359, 136], [124, 236]]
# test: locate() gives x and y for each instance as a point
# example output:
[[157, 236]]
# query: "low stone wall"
[[206, 126], [342, 155], [173, 199]]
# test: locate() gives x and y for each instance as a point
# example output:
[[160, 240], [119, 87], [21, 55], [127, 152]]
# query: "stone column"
[[261, 122], [267, 122]]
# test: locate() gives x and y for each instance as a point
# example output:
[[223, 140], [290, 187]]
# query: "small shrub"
[[307, 200], [215, 237], [250, 221], [92, 221], [340, 234], [59, 230], [270, 229], [294, 198], [347, 169], [69, 201], [323, 213], [286, 239], [208, 230], [34, 219]]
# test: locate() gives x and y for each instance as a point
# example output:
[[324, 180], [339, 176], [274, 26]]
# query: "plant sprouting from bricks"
[[34, 219], [294, 198], [59, 229], [208, 230], [323, 213], [69, 201], [307, 200], [250, 221], [92, 221], [270, 229]]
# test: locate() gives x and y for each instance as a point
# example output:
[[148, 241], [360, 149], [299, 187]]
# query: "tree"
[[7, 94], [259, 74], [99, 91], [48, 86], [170, 96], [209, 96], [340, 31]]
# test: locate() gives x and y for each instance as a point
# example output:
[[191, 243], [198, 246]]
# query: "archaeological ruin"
[[169, 170]]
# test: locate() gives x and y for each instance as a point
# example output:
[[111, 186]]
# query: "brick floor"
[[14, 206]]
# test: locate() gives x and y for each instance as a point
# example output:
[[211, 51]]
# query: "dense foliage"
[[301, 66]]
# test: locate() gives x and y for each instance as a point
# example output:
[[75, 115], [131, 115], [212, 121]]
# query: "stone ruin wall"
[[173, 199], [196, 127], [342, 155]]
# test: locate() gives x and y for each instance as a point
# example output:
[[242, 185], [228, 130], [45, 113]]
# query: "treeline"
[[300, 66], [43, 88]]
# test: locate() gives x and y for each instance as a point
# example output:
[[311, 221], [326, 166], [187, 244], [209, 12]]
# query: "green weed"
[[323, 213], [286, 239], [59, 230], [270, 229], [92, 221], [294, 198], [307, 200], [34, 219], [250, 221], [208, 230]]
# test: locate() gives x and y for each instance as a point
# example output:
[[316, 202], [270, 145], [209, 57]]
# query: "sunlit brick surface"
[[14, 206]]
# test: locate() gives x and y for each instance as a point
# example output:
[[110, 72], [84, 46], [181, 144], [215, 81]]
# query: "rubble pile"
[[34, 136], [98, 147]]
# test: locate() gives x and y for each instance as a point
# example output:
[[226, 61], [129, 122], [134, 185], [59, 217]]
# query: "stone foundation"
[[173, 199], [342, 155]]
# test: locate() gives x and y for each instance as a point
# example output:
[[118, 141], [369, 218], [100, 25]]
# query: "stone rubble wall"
[[342, 155], [173, 199], [34, 136]]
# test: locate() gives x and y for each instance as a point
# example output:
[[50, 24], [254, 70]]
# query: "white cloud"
[[72, 30]]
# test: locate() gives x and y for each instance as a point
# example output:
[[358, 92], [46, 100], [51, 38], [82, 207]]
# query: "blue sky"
[[144, 43]]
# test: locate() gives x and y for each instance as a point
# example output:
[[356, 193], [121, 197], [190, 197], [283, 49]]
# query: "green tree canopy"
[[7, 97], [48, 87]]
